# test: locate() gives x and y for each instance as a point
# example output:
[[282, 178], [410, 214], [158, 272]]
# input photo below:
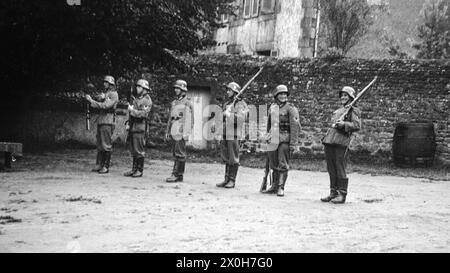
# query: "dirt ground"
[[52, 203]]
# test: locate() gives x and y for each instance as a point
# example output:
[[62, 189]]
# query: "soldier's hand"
[[88, 98], [167, 137], [340, 124], [127, 127], [130, 107]]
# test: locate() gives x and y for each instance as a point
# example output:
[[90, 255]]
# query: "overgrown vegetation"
[[435, 32], [42, 41], [345, 22]]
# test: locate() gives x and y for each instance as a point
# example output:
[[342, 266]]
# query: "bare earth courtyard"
[[52, 203]]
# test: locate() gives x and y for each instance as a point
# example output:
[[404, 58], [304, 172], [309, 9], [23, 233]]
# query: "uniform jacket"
[[139, 114], [107, 107], [181, 112], [287, 122], [341, 136], [235, 122]]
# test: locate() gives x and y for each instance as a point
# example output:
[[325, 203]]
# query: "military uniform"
[[179, 128], [287, 126], [137, 127], [336, 143], [106, 124], [233, 126]]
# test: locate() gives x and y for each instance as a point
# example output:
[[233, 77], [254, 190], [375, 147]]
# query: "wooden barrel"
[[414, 143]]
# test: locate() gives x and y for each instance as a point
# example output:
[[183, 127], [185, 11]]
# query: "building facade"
[[279, 28]]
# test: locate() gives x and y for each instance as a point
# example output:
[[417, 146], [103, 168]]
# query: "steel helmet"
[[143, 83], [180, 84], [234, 87], [281, 89], [110, 80], [350, 91]]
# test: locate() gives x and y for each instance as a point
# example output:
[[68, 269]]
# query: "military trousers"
[[336, 162], [104, 137], [279, 158], [179, 149], [137, 144], [229, 150]]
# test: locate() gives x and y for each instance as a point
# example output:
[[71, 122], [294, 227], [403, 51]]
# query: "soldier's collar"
[[281, 104]]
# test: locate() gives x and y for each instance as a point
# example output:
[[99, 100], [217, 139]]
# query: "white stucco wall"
[[288, 28]]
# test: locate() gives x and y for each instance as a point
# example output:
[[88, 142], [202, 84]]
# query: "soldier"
[[284, 118], [137, 127], [107, 103], [336, 143], [179, 127], [233, 120]]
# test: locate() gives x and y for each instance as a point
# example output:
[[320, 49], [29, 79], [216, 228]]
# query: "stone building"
[[279, 28]]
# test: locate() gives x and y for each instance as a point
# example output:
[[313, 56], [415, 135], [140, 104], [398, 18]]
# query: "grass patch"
[[82, 160], [376, 200], [9, 219], [81, 198]]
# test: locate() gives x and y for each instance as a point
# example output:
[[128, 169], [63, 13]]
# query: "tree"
[[44, 40], [435, 32], [345, 22]]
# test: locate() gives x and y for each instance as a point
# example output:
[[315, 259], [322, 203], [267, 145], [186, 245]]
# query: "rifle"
[[349, 106], [88, 116], [88, 108], [130, 121], [246, 86], [266, 174]]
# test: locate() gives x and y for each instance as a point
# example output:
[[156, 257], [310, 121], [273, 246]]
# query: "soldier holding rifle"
[[283, 133], [344, 121], [235, 111], [139, 108], [106, 104]]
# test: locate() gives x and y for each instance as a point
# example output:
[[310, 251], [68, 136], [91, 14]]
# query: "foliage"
[[435, 32], [44, 40], [345, 22]]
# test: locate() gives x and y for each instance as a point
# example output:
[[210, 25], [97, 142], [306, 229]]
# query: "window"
[[247, 8], [263, 53], [251, 8], [267, 6], [255, 7]]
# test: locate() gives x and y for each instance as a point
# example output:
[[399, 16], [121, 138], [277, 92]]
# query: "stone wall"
[[406, 91]]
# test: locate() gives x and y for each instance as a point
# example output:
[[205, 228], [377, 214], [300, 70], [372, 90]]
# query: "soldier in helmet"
[[179, 127], [235, 112], [336, 143], [106, 104], [138, 110], [283, 130]]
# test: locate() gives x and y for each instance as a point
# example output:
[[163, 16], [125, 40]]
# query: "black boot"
[[98, 162], [180, 171], [139, 167], [274, 185], [282, 182], [106, 162], [133, 169], [174, 177], [342, 191], [333, 190], [232, 177], [227, 174]]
